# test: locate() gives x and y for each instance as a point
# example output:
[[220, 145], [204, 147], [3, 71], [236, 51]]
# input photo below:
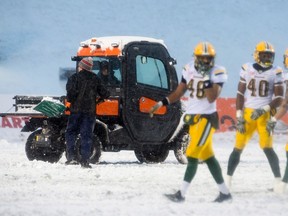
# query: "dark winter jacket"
[[109, 80], [82, 90]]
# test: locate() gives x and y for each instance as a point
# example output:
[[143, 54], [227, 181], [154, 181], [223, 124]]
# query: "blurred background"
[[38, 38]]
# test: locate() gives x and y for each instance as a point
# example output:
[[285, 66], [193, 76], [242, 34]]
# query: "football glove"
[[240, 125], [155, 108], [259, 112], [270, 125], [159, 104], [207, 82]]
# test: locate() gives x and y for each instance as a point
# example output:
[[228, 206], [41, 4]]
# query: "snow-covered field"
[[119, 185], [37, 38]]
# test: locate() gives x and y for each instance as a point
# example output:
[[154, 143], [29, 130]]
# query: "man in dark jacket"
[[107, 77], [82, 89]]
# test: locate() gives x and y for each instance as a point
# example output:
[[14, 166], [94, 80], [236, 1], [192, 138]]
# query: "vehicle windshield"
[[108, 70]]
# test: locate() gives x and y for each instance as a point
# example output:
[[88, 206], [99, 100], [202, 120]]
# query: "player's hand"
[[155, 108], [240, 125], [100, 100], [270, 125], [259, 112], [207, 82]]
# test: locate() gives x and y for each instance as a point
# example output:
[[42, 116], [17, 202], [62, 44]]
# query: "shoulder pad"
[[218, 70], [186, 67], [278, 70], [245, 66]]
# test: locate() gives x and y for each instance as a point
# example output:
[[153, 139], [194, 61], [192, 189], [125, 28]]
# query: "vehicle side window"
[[151, 71]]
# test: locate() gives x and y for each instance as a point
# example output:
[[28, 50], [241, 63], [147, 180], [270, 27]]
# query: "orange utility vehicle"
[[147, 74]]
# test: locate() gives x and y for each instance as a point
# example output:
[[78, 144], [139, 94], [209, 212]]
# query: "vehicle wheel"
[[181, 144], [153, 154], [44, 154], [30, 148], [51, 157], [95, 150], [139, 155]]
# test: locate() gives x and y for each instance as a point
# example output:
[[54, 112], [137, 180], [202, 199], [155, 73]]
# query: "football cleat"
[[177, 197], [223, 197]]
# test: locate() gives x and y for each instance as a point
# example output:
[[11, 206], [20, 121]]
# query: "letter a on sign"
[[6, 123]]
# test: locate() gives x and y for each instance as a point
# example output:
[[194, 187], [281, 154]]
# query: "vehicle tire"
[[43, 154], [30, 148], [95, 150], [153, 154], [181, 144], [51, 157]]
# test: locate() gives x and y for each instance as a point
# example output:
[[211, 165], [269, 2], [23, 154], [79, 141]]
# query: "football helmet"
[[264, 54], [285, 62], [204, 57]]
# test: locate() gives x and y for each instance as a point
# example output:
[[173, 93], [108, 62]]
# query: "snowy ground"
[[119, 185]]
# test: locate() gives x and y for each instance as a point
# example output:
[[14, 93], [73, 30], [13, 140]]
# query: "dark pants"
[[83, 124]]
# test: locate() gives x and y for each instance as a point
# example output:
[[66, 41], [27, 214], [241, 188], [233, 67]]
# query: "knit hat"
[[86, 64]]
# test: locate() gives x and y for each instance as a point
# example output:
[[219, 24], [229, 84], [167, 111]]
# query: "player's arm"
[[280, 112], [278, 93], [240, 105], [240, 94], [282, 109], [173, 97], [213, 86], [284, 105], [178, 93], [213, 93], [278, 98]]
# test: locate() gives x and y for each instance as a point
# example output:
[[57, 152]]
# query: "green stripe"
[[205, 134]]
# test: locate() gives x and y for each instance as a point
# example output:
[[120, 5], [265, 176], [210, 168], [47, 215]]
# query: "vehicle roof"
[[110, 46]]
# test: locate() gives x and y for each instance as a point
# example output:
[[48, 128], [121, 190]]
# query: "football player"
[[204, 81], [260, 91], [280, 188]]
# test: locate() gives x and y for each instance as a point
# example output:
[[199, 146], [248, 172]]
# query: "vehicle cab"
[[146, 74]]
